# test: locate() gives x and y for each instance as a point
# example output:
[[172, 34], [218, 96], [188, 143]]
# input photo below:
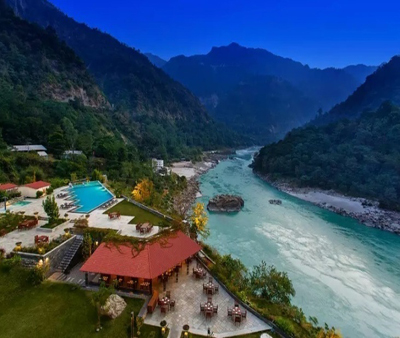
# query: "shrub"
[[8, 264], [285, 325], [49, 191], [39, 194], [37, 274]]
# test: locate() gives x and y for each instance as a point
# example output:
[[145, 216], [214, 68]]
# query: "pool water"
[[20, 203], [90, 196]]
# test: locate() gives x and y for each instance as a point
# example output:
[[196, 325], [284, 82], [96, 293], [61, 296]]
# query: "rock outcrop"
[[225, 203], [114, 306]]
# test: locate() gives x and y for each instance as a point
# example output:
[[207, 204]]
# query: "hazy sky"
[[320, 33]]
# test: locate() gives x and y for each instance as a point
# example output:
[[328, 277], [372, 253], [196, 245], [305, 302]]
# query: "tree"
[[56, 142], [70, 132], [143, 190], [198, 221], [328, 333], [51, 208], [96, 175], [99, 298], [271, 284], [87, 246]]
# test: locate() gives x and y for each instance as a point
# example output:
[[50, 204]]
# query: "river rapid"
[[346, 274]]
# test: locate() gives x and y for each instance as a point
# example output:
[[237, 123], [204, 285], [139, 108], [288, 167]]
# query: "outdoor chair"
[[209, 314], [210, 291], [238, 319], [168, 294], [236, 304], [201, 308], [204, 287], [172, 304], [229, 312], [215, 309], [210, 279], [216, 289], [163, 309], [244, 314], [209, 299]]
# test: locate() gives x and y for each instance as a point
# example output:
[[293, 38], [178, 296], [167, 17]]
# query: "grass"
[[55, 310], [141, 216], [54, 224]]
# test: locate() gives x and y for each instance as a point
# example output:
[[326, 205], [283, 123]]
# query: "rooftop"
[[7, 186], [150, 262], [29, 147], [37, 185]]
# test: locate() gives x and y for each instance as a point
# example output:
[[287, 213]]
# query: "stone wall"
[[54, 256]]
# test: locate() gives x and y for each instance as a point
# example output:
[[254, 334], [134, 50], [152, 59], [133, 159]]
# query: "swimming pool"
[[89, 196], [20, 203]]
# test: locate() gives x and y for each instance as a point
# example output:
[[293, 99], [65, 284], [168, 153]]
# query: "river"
[[344, 273]]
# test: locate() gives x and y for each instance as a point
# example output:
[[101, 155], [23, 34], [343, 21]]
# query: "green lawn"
[[55, 310], [141, 216]]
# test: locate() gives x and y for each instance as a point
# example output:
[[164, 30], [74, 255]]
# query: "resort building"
[[71, 153], [157, 164], [30, 190], [30, 147], [8, 187], [142, 269]]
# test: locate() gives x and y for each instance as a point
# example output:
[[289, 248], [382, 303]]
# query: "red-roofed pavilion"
[[140, 270]]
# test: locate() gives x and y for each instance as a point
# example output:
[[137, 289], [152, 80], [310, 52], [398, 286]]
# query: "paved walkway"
[[188, 294], [97, 219]]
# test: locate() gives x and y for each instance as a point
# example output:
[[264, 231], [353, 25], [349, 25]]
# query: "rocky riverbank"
[[364, 210], [184, 201]]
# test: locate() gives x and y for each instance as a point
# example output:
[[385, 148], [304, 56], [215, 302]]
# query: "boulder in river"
[[225, 203]]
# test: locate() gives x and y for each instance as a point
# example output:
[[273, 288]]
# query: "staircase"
[[70, 254]]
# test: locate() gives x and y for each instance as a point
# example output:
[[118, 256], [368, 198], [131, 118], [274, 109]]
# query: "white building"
[[157, 164], [71, 153], [30, 190]]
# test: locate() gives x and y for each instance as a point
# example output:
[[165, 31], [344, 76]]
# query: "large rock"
[[114, 306], [225, 203]]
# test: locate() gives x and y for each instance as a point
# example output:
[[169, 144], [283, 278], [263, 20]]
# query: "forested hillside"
[[359, 157], [217, 76], [265, 107], [153, 111], [379, 87]]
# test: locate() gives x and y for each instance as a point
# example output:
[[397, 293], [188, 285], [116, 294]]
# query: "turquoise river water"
[[344, 273]]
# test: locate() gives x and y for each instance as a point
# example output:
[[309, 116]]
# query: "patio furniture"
[[244, 314], [238, 319], [41, 239], [209, 299], [172, 304], [229, 312], [208, 314], [168, 294], [27, 224], [215, 309], [138, 226], [216, 288], [164, 309], [201, 308], [114, 215]]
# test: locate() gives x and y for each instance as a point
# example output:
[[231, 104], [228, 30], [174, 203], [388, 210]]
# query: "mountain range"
[[382, 85], [152, 110], [218, 76]]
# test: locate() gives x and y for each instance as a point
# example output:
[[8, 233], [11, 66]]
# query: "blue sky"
[[319, 33]]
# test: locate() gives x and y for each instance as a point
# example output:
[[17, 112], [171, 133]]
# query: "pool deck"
[[97, 219]]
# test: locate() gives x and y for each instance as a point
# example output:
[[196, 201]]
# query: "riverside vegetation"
[[358, 157]]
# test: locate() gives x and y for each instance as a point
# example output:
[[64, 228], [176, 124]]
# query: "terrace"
[[188, 294]]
